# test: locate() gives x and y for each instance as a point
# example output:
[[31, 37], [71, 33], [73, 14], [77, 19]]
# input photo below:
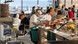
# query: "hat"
[[39, 11]]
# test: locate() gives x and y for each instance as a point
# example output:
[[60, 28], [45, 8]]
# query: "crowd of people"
[[50, 14], [20, 21]]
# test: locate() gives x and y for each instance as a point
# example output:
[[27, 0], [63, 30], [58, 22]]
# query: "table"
[[60, 35]]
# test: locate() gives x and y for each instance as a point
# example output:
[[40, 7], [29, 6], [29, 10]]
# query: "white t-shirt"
[[33, 18], [47, 17], [16, 23]]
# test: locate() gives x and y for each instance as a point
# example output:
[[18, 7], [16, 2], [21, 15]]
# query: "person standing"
[[34, 18], [33, 10], [49, 14], [24, 21], [73, 8], [33, 22], [16, 21], [16, 24], [70, 13], [49, 17], [42, 10]]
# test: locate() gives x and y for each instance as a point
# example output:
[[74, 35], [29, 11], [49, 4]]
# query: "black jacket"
[[25, 21]]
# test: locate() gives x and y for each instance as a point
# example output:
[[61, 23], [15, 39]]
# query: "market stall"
[[62, 30]]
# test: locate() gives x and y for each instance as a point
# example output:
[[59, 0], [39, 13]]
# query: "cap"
[[39, 11]]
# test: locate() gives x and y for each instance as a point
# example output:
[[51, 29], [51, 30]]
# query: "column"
[[71, 1], [76, 3], [64, 2], [68, 3], [61, 2], [21, 5], [53, 3]]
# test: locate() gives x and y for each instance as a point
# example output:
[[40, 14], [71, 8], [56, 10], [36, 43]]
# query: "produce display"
[[62, 24]]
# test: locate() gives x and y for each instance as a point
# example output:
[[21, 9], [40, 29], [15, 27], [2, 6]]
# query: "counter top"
[[67, 36]]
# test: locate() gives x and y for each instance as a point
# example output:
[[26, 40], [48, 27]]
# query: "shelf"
[[5, 20]]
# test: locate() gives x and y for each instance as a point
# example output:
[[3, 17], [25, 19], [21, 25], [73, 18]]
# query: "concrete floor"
[[26, 39]]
